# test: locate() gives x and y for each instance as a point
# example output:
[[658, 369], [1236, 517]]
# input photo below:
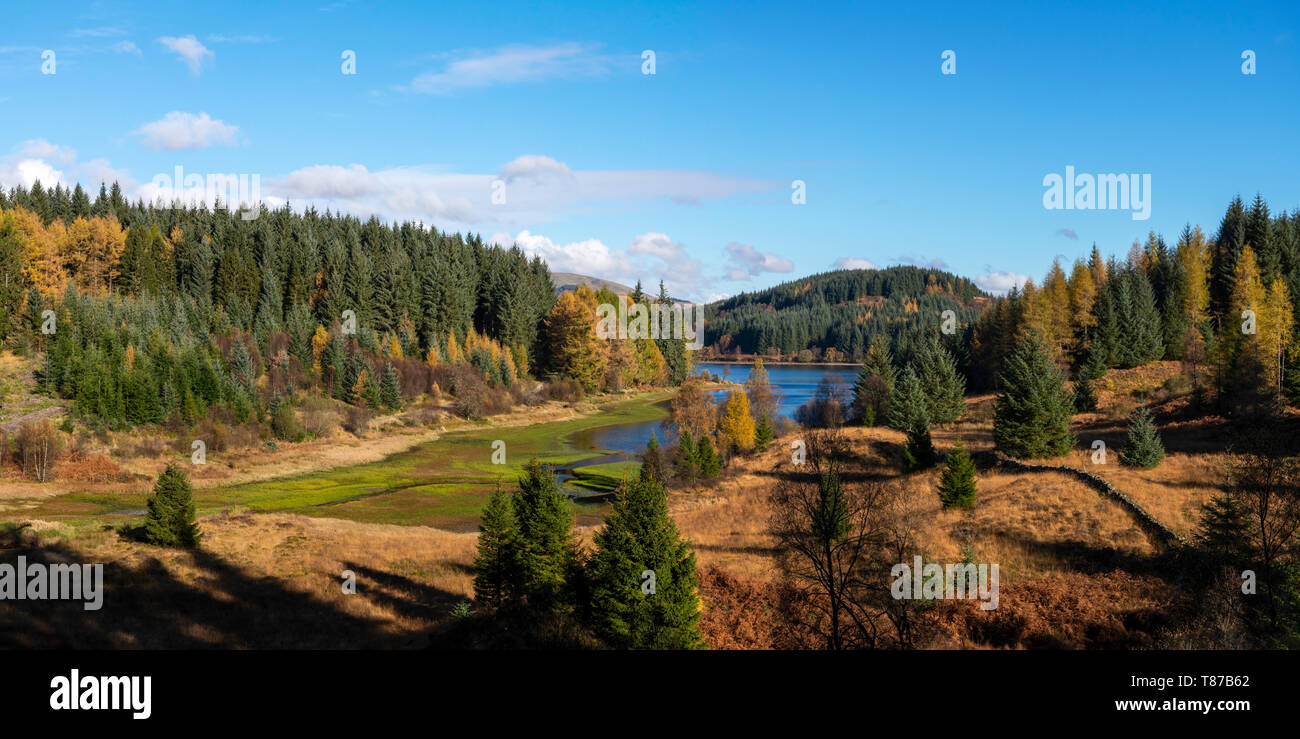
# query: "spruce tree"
[[942, 387], [688, 458], [908, 408], [390, 392], [1142, 448], [496, 565], [652, 461], [644, 592], [543, 543], [169, 521], [707, 457], [957, 484], [1224, 529], [1032, 414], [763, 434], [875, 384], [919, 452]]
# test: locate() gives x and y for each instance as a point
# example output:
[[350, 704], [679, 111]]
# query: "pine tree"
[[957, 484], [390, 392], [496, 565], [169, 521], [1142, 448], [644, 579], [1032, 414]]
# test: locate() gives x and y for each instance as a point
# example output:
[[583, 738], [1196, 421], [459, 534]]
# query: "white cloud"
[[853, 263], [744, 262], [179, 130], [1000, 283], [533, 165], [52, 164], [514, 64], [42, 149], [649, 258], [189, 49], [127, 47]]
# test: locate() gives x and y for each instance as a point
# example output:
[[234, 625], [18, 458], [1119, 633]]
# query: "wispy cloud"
[[508, 65], [1067, 233], [189, 50], [127, 47], [248, 38], [100, 32]]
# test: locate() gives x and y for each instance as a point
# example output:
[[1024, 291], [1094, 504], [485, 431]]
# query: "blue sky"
[[686, 174]]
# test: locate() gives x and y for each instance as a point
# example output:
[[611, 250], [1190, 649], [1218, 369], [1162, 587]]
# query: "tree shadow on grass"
[[145, 606]]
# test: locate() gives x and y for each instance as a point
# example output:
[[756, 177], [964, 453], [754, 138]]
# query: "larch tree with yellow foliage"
[[574, 349], [736, 427]]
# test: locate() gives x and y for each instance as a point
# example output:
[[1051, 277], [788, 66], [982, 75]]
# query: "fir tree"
[[957, 484], [169, 521], [1142, 448], [644, 580], [496, 565], [1032, 414]]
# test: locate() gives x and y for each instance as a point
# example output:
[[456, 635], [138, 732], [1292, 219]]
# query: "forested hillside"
[[144, 314], [1225, 308], [835, 315]]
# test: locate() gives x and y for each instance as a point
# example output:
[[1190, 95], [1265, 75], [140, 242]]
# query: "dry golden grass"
[[259, 581]]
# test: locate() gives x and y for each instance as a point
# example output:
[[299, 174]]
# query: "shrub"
[[957, 484], [356, 420]]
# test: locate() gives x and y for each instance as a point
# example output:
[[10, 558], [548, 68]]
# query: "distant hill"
[[843, 310], [564, 281]]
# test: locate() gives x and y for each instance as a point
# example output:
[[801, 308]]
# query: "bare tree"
[[38, 445], [834, 540]]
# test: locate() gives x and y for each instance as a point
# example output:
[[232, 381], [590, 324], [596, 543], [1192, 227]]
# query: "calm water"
[[796, 384]]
